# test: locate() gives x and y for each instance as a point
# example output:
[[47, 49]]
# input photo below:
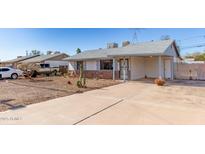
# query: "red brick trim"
[[102, 74]]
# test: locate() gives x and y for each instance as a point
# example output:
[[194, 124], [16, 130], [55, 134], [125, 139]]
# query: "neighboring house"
[[14, 62], [130, 62], [54, 60]]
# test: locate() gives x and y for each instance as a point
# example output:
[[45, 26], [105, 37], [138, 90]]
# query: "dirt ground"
[[132, 102], [18, 93]]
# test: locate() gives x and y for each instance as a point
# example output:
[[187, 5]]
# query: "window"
[[78, 64], [4, 69], [106, 65], [45, 65]]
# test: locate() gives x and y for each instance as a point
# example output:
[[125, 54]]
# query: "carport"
[[136, 67]]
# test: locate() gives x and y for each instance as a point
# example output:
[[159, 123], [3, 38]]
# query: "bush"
[[159, 82]]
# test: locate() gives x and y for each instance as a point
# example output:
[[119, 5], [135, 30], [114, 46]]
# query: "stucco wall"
[[152, 67], [91, 65], [189, 71], [137, 68], [71, 66]]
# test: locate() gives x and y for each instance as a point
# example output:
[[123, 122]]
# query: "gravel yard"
[[18, 93], [132, 102]]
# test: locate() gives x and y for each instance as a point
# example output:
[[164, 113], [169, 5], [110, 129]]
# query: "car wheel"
[[14, 76]]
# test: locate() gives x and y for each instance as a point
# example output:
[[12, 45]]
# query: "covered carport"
[[137, 67]]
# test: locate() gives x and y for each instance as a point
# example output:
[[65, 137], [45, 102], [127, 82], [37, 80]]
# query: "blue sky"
[[14, 42]]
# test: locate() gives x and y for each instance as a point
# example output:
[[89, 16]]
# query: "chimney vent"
[[125, 43], [112, 45]]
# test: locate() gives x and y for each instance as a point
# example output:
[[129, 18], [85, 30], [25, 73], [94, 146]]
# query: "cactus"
[[81, 83]]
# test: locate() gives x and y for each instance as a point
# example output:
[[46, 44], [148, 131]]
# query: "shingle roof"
[[140, 49], [42, 58], [19, 59]]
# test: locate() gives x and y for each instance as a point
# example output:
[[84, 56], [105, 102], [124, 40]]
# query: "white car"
[[7, 72]]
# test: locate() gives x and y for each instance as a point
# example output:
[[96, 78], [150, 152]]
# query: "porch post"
[[124, 69], [172, 68], [113, 70], [160, 66]]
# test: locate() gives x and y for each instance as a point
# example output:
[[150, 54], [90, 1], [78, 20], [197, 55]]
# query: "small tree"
[[35, 52], [200, 57], [49, 52], [78, 50], [165, 37]]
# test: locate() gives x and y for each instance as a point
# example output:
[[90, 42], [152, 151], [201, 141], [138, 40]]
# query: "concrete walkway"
[[127, 103]]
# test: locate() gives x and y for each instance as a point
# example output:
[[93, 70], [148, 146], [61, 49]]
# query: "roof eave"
[[80, 59], [141, 55]]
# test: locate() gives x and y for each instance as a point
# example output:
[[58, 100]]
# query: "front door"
[[124, 65], [167, 69]]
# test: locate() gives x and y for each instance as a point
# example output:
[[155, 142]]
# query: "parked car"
[[7, 72], [38, 69], [45, 69]]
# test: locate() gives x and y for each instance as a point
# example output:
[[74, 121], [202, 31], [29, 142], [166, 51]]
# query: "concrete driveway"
[[128, 103]]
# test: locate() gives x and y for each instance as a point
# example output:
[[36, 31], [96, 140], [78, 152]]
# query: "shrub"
[[159, 82]]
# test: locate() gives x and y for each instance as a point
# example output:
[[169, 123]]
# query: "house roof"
[[19, 59], [42, 58], [151, 48]]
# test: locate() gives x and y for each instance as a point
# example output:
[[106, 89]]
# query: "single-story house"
[[130, 62], [53, 59], [14, 62]]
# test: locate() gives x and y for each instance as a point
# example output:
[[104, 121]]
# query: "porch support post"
[[160, 66], [113, 70], [124, 69], [172, 68]]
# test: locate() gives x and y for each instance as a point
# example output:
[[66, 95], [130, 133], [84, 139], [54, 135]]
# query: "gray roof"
[[151, 48], [42, 58], [19, 59]]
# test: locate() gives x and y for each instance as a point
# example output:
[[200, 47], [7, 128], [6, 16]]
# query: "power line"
[[189, 38], [193, 46], [135, 35]]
